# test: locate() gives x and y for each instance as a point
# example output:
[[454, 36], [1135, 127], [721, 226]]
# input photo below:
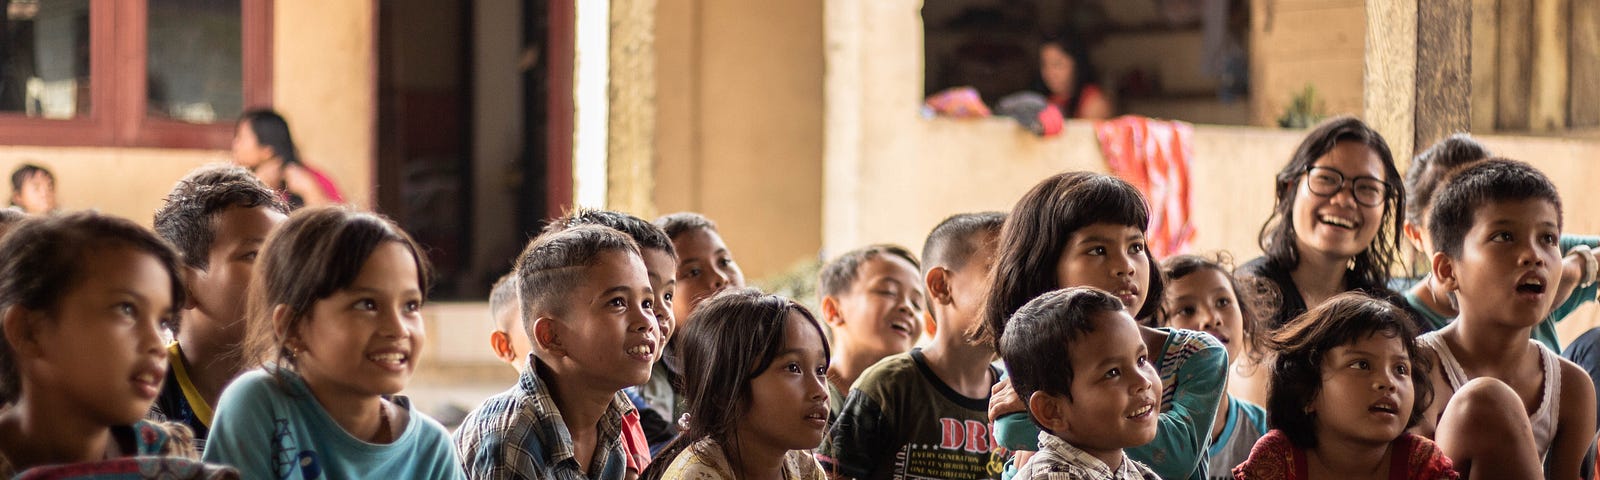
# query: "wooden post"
[[1516, 65], [1418, 85], [631, 118], [1585, 62], [1548, 107], [1485, 64], [1389, 98]]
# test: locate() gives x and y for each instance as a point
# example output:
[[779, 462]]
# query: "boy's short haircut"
[[1432, 166], [1494, 180], [502, 297], [43, 258], [1038, 337], [647, 235], [953, 241], [551, 264], [675, 224], [26, 170], [188, 219], [839, 275]]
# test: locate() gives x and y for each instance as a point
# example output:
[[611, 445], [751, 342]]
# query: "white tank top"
[[1543, 418]]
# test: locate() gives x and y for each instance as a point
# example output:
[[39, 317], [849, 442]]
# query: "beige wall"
[[739, 130], [1298, 42], [322, 82]]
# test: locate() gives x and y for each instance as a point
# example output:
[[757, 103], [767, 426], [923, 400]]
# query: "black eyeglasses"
[[1367, 191]]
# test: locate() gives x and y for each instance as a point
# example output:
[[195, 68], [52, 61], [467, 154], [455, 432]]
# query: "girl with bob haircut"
[[337, 325], [754, 370], [1336, 225], [1087, 229], [1347, 381], [84, 298]]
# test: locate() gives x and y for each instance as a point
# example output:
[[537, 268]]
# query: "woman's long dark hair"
[[1277, 238], [1082, 71], [272, 130], [730, 340]]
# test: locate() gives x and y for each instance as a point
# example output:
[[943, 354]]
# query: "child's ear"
[[547, 335], [830, 312], [938, 281], [1047, 410], [1444, 271], [500, 342], [19, 330], [280, 325], [1413, 234]]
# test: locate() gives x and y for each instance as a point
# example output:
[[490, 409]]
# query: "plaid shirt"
[[519, 434], [1059, 460]]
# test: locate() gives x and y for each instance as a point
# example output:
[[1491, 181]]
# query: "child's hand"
[[1003, 400]]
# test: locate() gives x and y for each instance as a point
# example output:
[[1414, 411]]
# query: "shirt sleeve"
[[1183, 431], [246, 432], [859, 436], [1015, 431]]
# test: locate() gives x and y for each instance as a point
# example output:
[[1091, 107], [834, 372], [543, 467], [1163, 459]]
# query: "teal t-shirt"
[[1545, 331], [272, 430], [1193, 367]]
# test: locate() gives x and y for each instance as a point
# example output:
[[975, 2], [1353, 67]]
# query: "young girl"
[[337, 300], [1335, 225], [754, 368], [1346, 382], [84, 297], [1087, 229], [262, 143], [1202, 295]]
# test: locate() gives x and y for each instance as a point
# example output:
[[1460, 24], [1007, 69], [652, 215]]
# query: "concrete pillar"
[[1418, 62], [631, 122]]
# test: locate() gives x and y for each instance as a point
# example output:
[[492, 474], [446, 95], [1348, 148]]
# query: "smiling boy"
[[872, 298]]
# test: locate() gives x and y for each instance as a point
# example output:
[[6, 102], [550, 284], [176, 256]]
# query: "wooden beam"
[[1547, 110], [1516, 65], [1444, 80], [631, 119], [1389, 99], [1584, 101], [1485, 64]]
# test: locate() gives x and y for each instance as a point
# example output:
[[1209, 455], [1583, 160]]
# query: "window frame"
[[118, 89]]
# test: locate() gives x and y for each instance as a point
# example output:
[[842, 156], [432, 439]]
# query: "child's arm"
[[247, 433], [1183, 432], [1576, 425]]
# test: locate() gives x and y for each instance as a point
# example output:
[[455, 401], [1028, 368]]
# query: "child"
[[507, 340], [872, 301], [337, 299], [1202, 296], [705, 267], [33, 190], [1087, 229], [586, 306], [649, 426], [1431, 301], [84, 297], [1496, 226], [1347, 381], [218, 217], [926, 411], [1080, 361], [754, 366], [1335, 224]]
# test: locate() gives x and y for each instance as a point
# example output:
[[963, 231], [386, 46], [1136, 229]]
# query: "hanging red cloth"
[[1153, 155]]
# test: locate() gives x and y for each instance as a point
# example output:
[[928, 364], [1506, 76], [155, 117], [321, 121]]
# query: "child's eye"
[[1549, 239], [1136, 248], [692, 273], [413, 306], [822, 370], [1097, 251], [365, 304], [792, 367], [1360, 365], [1402, 369], [1224, 302], [251, 256], [666, 298], [1114, 373], [617, 302], [127, 308], [724, 261], [1500, 237], [1142, 361], [1184, 311], [648, 305]]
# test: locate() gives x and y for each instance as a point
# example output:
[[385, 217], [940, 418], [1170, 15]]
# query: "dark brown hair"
[[1176, 267], [1492, 181], [1041, 333], [188, 219], [42, 259], [552, 263], [1038, 229], [1430, 168], [839, 275], [1302, 344], [313, 255]]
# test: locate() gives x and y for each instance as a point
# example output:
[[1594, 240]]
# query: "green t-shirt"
[[900, 421]]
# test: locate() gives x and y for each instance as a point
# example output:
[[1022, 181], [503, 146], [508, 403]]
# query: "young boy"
[[33, 190], [1078, 361], [872, 300], [925, 413], [217, 217], [587, 309], [508, 341], [705, 267], [1495, 226]]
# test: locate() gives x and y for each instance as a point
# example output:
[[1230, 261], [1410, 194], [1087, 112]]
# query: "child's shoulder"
[[897, 368], [257, 387]]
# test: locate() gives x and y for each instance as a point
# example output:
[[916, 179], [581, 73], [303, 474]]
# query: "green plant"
[[1304, 110]]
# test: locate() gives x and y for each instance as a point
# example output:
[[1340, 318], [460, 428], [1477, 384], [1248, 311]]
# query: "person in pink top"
[[263, 144]]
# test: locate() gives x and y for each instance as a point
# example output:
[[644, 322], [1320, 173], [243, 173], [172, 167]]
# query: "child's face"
[[218, 291], [969, 284], [365, 340], [1115, 389], [662, 269], [608, 331], [510, 320], [881, 314], [1338, 225], [1056, 69], [1204, 300], [705, 266], [1107, 256], [102, 354], [788, 404], [1366, 394], [1510, 262], [38, 194]]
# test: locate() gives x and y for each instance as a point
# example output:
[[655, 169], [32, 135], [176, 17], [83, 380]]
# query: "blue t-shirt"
[[276, 430]]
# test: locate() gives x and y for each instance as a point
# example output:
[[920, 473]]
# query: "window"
[[132, 73]]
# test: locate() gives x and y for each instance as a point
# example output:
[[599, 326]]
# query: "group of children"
[[1046, 342]]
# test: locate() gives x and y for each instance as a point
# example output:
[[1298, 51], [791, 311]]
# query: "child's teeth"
[[639, 350], [388, 357]]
